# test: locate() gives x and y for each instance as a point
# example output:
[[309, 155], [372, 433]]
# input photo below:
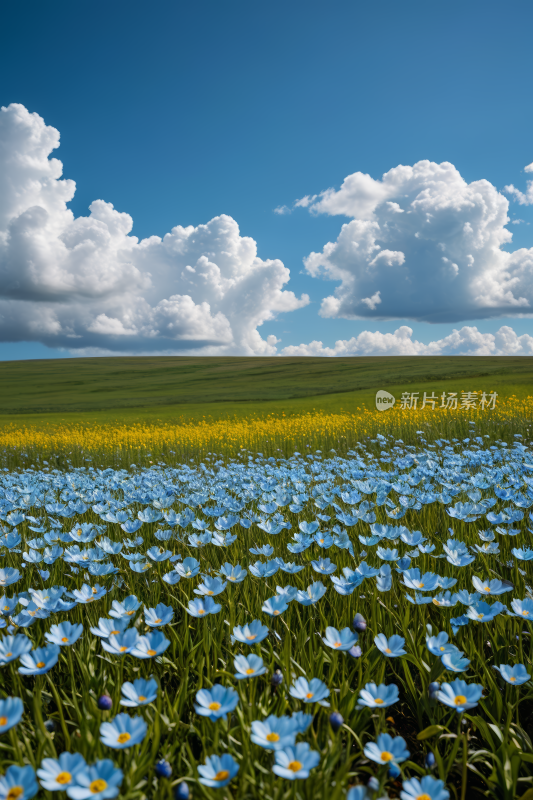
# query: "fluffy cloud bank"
[[87, 285], [423, 244], [466, 341]]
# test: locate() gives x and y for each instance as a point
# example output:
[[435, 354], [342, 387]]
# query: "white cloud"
[[529, 168], [524, 199], [466, 341], [429, 242], [87, 285]]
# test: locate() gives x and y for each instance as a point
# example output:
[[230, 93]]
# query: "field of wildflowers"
[[241, 611]]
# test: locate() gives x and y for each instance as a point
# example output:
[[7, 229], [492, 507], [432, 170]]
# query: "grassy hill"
[[165, 388]]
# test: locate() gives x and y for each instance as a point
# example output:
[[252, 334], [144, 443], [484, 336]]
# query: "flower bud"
[[433, 688], [105, 703], [181, 792], [335, 720], [430, 760], [163, 769], [355, 651], [393, 771], [277, 678], [359, 623]]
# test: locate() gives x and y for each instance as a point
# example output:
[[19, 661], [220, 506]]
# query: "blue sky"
[[213, 115]]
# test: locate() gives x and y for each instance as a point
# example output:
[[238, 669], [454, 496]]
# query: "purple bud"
[[355, 651], [277, 678], [430, 760], [393, 771], [105, 703], [163, 769], [181, 791], [335, 720], [359, 623], [373, 784]]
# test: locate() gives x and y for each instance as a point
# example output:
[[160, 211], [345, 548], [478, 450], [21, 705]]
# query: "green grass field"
[[166, 388]]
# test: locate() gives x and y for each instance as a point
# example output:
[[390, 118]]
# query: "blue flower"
[[127, 608], [19, 783], [387, 750], [340, 640], [57, 775], [250, 634], [64, 634], [99, 782], [218, 771], [12, 647], [380, 696], [234, 574], [119, 644], [8, 576], [301, 721], [275, 606], [11, 710], [516, 675], [151, 645], [459, 695], [393, 647], [358, 793], [312, 594], [288, 592], [248, 667], [203, 607], [313, 691], [445, 600], [139, 693], [210, 587], [273, 733], [522, 553], [106, 627], [88, 594], [323, 566], [484, 612], [493, 587], [454, 661], [424, 583], [295, 762], [189, 568], [123, 731], [523, 608], [438, 645], [216, 702], [262, 570], [290, 568], [160, 615], [39, 661], [428, 788]]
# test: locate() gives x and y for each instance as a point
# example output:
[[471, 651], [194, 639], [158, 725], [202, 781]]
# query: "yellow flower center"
[[388, 650], [223, 775], [337, 644], [460, 700], [486, 589], [479, 616], [14, 793], [156, 621], [386, 756], [525, 613], [276, 612], [214, 706], [6, 608], [151, 652], [97, 786], [129, 613], [122, 649], [3, 721], [309, 695], [250, 638], [40, 664], [142, 698], [442, 648], [250, 671], [9, 654], [423, 797], [64, 639], [64, 777], [512, 680], [115, 632], [209, 592], [321, 542], [295, 766], [378, 700], [201, 611], [94, 590], [123, 738], [420, 585], [272, 737]]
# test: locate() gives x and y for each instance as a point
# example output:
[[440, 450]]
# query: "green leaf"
[[431, 731]]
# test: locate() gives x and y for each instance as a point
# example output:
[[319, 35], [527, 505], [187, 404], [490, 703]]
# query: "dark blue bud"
[[430, 760], [163, 769], [393, 771], [335, 720], [359, 623], [50, 725], [433, 688], [181, 792], [105, 703], [355, 651], [277, 678]]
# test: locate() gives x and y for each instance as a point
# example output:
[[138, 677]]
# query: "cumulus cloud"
[[86, 284], [466, 341], [427, 243]]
